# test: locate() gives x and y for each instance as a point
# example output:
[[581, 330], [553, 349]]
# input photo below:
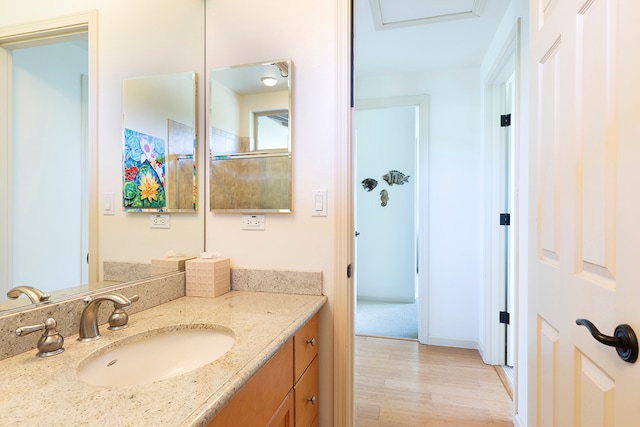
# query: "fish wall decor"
[[369, 184], [395, 177], [384, 197]]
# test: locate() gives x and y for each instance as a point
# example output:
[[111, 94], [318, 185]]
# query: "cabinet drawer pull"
[[312, 341], [312, 399]]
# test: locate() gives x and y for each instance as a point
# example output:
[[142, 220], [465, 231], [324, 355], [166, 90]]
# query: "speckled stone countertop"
[[38, 391]]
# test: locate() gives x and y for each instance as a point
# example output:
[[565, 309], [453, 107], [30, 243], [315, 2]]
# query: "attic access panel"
[[401, 13]]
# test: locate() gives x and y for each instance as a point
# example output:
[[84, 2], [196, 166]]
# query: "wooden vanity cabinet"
[[305, 358], [284, 416], [284, 392], [258, 400]]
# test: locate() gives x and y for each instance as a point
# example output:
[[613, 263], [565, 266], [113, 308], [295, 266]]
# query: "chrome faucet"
[[35, 295], [89, 317]]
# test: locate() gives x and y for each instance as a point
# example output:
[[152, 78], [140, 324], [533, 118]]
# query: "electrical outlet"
[[253, 222], [160, 221]]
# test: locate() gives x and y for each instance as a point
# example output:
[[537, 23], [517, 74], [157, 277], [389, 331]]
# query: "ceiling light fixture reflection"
[[269, 81]]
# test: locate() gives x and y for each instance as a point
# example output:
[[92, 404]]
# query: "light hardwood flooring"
[[404, 383]]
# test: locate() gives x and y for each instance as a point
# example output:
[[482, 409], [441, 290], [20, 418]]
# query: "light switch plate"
[[107, 207], [319, 203]]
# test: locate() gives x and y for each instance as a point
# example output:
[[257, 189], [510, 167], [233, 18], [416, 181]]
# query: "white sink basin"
[[155, 356]]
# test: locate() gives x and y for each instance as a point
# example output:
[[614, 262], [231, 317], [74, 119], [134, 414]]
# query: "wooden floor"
[[404, 383]]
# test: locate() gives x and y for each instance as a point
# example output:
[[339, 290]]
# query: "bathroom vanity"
[[293, 373], [276, 339]]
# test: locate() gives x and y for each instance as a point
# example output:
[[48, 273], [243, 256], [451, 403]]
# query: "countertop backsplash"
[[278, 281], [152, 292]]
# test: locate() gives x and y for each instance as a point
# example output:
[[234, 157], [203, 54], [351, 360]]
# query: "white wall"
[[151, 101], [455, 195], [46, 165], [385, 267], [254, 31], [224, 111], [260, 102]]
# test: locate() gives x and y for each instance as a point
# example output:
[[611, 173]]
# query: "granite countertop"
[[38, 391]]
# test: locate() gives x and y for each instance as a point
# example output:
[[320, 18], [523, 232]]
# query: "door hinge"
[[504, 317], [505, 219], [505, 120], [349, 271]]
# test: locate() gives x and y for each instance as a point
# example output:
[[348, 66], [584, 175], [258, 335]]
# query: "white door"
[[584, 210]]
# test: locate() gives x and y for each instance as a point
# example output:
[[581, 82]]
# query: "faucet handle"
[[119, 319], [50, 343], [132, 299]]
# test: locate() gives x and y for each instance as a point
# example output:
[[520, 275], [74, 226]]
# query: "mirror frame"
[[252, 155], [161, 170]]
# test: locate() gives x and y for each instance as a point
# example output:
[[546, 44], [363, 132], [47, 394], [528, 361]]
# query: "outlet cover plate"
[[160, 221], [253, 222]]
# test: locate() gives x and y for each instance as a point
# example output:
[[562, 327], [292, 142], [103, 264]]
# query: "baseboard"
[[480, 349], [504, 380], [517, 421], [394, 300], [452, 342]]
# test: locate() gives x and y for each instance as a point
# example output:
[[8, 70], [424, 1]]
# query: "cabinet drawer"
[[306, 396], [306, 346]]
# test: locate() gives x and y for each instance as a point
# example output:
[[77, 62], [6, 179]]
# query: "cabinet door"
[[306, 346], [306, 395], [284, 415], [256, 402]]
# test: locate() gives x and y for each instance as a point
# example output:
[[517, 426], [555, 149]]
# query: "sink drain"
[[113, 362]]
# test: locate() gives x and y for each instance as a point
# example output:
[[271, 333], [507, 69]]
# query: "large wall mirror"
[[159, 143], [44, 161], [250, 142]]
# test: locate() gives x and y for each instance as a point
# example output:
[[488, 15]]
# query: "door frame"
[[26, 35], [422, 196], [508, 62]]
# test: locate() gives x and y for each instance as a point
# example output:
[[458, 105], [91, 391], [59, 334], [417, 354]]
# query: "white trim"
[[38, 33], [494, 293], [511, 51], [451, 342], [517, 421], [390, 300], [422, 196], [343, 292], [6, 170]]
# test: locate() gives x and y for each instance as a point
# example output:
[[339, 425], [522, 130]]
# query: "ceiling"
[[406, 36]]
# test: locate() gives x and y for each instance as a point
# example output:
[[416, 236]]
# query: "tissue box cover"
[[208, 277], [168, 264]]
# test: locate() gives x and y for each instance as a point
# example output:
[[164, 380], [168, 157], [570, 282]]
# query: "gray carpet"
[[386, 319]]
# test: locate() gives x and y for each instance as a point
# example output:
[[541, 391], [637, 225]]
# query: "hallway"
[[403, 383], [386, 319]]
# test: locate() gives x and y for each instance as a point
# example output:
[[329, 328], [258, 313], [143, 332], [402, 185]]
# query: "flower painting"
[[144, 170]]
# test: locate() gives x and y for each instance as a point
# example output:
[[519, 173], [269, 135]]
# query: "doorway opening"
[[48, 152], [390, 195]]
